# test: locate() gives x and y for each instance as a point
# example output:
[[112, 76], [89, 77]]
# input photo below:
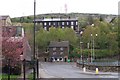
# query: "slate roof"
[[59, 44], [4, 17], [55, 19]]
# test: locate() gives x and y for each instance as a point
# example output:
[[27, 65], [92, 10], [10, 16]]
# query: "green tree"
[[112, 43], [42, 39]]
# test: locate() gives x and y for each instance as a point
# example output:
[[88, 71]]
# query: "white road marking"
[[108, 76]]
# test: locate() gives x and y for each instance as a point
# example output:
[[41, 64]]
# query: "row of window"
[[55, 49], [54, 53], [63, 23], [72, 27]]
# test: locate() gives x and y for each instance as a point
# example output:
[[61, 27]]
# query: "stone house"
[[5, 20], [58, 51]]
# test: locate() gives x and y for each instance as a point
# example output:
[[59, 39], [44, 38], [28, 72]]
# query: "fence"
[[103, 66], [111, 63], [21, 69]]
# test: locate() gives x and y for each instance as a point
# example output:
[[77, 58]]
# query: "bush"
[[16, 70]]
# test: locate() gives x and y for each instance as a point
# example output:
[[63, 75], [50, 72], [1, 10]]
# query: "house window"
[[63, 23], [58, 23], [49, 23], [67, 23], [54, 48], [54, 53], [61, 53], [71, 23], [54, 23], [76, 23], [61, 49], [45, 23]]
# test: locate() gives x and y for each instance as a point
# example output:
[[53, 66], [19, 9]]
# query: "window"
[[54, 53], [58, 23], [76, 23], [61, 49], [61, 58], [71, 23], [49, 23], [54, 23], [61, 53], [45, 23], [54, 48], [63, 23], [67, 23]]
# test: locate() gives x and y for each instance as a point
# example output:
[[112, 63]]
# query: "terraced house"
[[58, 22]]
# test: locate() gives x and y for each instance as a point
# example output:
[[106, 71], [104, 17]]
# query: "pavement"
[[89, 72], [99, 73]]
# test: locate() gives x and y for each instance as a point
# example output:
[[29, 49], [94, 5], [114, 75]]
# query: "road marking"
[[108, 76]]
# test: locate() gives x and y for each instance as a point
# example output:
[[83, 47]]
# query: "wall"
[[101, 68]]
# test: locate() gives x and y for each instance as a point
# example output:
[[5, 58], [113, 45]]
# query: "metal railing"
[[114, 63]]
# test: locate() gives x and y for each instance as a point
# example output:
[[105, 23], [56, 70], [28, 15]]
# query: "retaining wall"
[[101, 68]]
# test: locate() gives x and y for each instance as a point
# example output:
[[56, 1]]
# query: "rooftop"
[[59, 44], [3, 17], [57, 19]]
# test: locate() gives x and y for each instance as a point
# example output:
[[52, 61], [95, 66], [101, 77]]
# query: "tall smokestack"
[[65, 8]]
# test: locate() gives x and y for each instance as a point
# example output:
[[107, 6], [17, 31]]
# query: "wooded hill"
[[106, 26], [29, 19]]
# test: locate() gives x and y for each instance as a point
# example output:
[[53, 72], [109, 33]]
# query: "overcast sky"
[[17, 8]]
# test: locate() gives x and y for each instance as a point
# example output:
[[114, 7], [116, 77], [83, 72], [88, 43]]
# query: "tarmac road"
[[69, 70]]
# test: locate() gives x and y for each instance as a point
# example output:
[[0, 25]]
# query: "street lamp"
[[34, 68], [93, 46], [81, 44]]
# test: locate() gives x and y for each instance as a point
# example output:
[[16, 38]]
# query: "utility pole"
[[91, 49]]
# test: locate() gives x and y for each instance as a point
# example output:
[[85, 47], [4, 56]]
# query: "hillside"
[[29, 19], [106, 43]]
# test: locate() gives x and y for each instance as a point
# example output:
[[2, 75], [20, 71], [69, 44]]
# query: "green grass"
[[12, 77], [30, 76]]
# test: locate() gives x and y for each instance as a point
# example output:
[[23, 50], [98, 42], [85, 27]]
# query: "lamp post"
[[93, 47], [34, 67], [81, 32]]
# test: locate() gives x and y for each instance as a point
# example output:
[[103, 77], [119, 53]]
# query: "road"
[[69, 70]]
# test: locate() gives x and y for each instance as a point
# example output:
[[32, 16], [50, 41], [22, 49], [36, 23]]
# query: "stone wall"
[[101, 68]]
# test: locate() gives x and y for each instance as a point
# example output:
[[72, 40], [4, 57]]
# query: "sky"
[[18, 8]]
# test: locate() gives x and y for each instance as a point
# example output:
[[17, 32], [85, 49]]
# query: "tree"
[[28, 27], [44, 37], [112, 43], [11, 49]]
